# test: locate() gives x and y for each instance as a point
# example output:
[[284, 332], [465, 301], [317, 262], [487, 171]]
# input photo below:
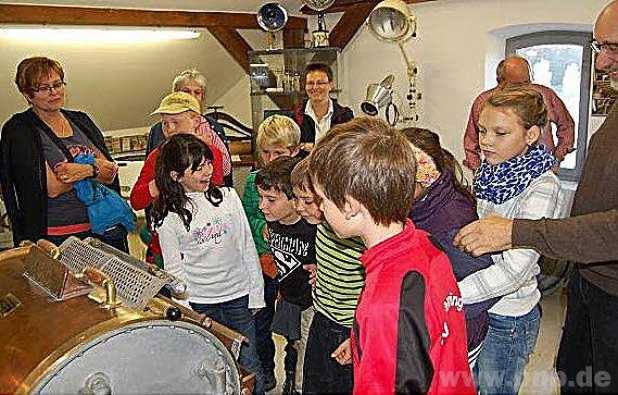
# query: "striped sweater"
[[340, 275]]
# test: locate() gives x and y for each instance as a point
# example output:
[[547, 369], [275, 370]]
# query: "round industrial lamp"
[[272, 17], [392, 21]]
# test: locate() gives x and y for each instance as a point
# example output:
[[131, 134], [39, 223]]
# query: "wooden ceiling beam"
[[342, 5], [293, 38], [233, 43], [52, 15], [352, 19]]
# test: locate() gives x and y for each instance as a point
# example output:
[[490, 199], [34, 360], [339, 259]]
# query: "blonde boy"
[[277, 136]]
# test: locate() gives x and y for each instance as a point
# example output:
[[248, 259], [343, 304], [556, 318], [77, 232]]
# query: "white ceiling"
[[293, 6]]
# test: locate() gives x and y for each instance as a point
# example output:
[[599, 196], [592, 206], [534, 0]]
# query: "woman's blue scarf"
[[502, 182]]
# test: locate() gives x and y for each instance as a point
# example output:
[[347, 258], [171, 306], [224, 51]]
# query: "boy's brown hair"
[[370, 161], [276, 175], [300, 176], [525, 102]]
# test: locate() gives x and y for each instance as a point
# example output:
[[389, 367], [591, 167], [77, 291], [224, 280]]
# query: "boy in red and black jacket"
[[409, 332]]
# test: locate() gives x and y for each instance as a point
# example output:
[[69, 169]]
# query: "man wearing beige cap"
[[180, 113]]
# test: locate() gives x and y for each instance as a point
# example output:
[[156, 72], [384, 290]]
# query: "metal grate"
[[135, 285]]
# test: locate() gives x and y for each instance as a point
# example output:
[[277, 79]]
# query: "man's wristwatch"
[[95, 171]]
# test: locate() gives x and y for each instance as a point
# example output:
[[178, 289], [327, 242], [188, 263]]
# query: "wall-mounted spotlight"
[[381, 96], [392, 21]]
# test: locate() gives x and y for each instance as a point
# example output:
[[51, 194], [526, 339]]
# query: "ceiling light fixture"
[[94, 34]]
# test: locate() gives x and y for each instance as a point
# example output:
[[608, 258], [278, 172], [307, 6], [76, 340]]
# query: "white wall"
[[120, 84], [458, 46], [237, 101]]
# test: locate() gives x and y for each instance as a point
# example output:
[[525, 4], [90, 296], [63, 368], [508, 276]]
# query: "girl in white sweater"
[[515, 180], [206, 241]]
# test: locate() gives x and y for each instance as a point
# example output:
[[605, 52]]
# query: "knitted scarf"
[[502, 182]]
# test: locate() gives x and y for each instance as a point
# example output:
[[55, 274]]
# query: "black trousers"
[[588, 354], [322, 374]]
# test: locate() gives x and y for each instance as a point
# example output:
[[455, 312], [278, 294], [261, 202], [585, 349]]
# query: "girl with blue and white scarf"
[[515, 180]]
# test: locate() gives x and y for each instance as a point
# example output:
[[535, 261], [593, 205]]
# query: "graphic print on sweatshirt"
[[288, 252], [213, 232], [292, 246]]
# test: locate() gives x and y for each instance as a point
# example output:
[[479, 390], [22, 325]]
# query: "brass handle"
[[50, 248], [18, 252], [97, 277]]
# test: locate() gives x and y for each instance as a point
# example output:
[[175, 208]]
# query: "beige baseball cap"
[[178, 102]]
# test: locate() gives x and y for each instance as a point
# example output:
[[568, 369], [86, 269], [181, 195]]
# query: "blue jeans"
[[508, 345], [263, 321], [235, 314]]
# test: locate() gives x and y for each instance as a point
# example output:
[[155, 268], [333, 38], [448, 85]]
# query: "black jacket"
[[23, 176], [307, 126]]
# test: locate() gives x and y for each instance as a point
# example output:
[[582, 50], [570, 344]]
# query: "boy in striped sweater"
[[337, 284]]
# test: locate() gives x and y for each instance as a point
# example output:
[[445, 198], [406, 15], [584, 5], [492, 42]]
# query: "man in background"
[[587, 360], [516, 70]]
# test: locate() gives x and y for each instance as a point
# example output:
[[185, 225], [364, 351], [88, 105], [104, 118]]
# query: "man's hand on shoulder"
[[489, 234]]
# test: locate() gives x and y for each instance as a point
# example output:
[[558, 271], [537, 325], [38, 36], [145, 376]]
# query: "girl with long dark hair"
[[206, 241]]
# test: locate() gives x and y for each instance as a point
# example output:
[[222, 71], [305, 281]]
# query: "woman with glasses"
[[36, 174], [319, 112], [194, 83]]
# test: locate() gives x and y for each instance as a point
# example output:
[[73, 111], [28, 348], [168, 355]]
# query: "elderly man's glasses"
[[610, 48], [48, 88]]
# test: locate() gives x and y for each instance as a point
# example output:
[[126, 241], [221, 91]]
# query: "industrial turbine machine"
[[86, 318]]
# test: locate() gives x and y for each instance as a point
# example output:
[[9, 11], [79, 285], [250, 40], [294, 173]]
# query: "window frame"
[[584, 39]]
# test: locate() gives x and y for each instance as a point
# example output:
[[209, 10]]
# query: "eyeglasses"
[[316, 83], [610, 48], [48, 88]]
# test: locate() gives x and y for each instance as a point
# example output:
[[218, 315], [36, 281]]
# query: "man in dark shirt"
[[587, 355], [292, 242]]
